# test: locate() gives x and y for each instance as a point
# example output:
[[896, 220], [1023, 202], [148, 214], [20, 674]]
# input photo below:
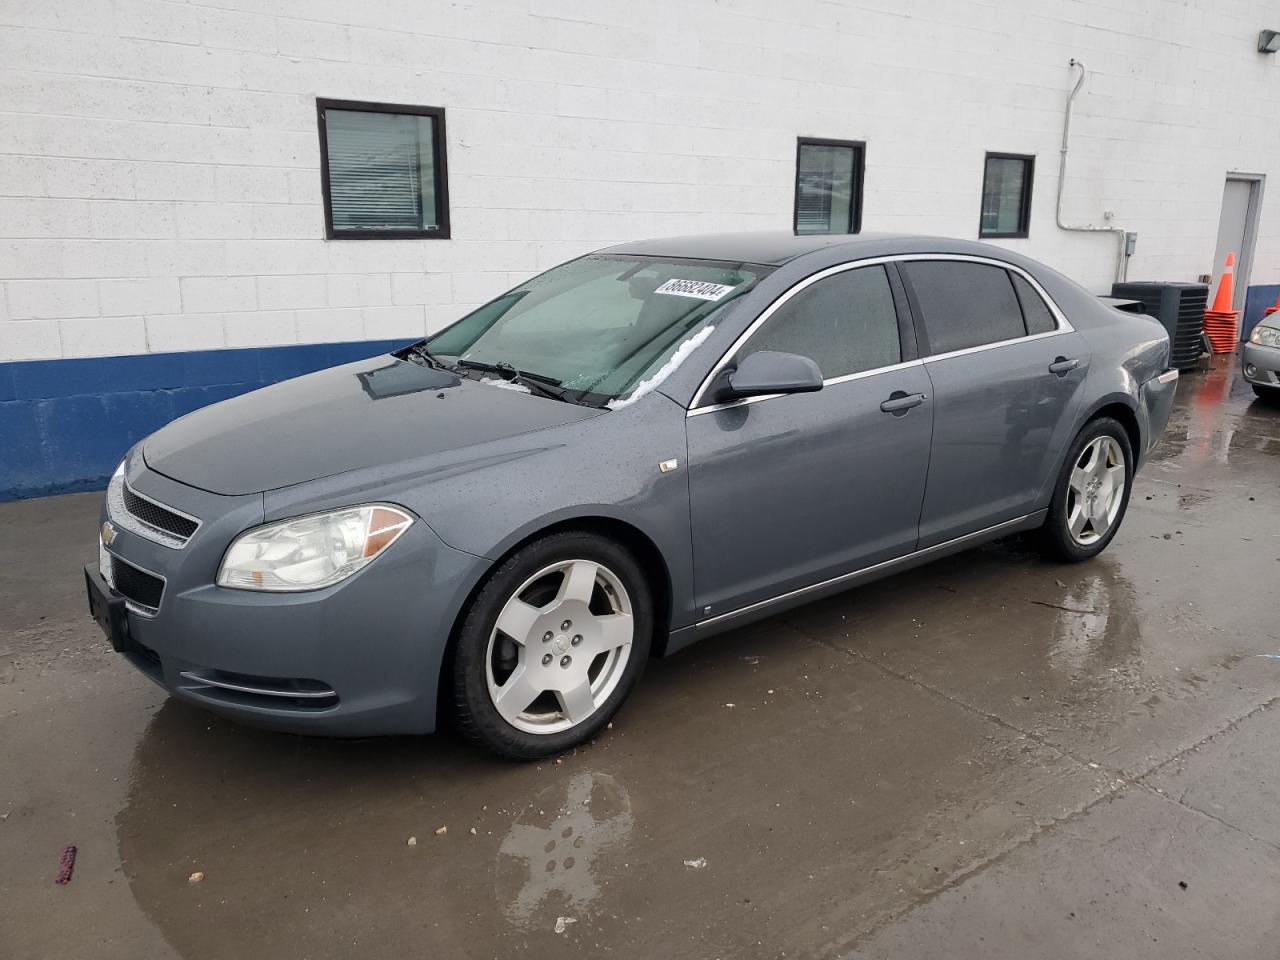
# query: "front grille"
[[144, 589], [154, 515]]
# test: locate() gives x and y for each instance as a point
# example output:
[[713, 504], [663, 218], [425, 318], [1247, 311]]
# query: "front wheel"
[[551, 645], [1270, 394], [1092, 492]]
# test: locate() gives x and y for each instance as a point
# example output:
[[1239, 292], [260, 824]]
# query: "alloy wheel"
[[559, 646], [1095, 490]]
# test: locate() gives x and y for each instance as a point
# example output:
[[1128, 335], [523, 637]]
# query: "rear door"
[[1006, 371], [787, 491]]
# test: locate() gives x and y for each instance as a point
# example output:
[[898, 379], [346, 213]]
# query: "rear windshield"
[[598, 326]]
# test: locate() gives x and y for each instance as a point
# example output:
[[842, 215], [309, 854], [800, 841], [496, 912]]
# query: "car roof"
[[776, 247]]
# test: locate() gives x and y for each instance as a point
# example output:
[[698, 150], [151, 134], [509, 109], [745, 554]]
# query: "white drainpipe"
[[1121, 258]]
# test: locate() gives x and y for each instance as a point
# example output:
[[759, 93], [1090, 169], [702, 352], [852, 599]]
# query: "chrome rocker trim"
[[853, 578]]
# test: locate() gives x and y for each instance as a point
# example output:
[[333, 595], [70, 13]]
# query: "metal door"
[[1237, 232]]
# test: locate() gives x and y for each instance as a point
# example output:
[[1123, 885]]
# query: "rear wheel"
[[552, 645], [1092, 493]]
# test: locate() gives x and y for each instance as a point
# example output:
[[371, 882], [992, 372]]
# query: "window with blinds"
[[828, 186], [383, 169], [1006, 195]]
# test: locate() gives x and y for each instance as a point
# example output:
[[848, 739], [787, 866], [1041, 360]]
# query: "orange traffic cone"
[[1221, 323], [1270, 310], [1226, 287]]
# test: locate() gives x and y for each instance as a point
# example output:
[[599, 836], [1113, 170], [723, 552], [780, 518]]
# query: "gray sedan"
[[637, 449], [1260, 358]]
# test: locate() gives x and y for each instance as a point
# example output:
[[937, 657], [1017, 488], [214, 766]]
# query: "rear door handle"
[[1062, 366], [899, 403]]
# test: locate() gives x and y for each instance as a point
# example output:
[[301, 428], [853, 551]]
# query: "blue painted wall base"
[[65, 424], [1256, 300]]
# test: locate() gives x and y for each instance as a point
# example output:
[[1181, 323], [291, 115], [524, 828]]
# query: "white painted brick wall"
[[159, 162]]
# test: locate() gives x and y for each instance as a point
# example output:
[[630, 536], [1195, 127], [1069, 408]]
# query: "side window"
[[1034, 310], [845, 323], [964, 304]]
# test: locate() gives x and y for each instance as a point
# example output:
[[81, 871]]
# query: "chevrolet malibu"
[[639, 448]]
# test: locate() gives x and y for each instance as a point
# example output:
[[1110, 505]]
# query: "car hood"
[[366, 414]]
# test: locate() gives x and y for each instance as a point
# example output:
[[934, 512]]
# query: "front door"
[[1006, 376], [793, 490]]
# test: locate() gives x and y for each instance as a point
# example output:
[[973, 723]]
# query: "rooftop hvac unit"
[[1180, 307]]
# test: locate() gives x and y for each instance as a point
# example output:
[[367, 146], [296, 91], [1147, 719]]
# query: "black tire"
[[476, 715], [1055, 536], [1269, 394]]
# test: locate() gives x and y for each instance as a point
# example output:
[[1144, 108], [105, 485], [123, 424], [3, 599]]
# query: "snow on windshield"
[[661, 374]]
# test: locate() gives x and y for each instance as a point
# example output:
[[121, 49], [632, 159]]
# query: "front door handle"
[[899, 402], [1062, 366]]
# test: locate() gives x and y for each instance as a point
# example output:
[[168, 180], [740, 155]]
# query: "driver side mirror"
[[767, 371]]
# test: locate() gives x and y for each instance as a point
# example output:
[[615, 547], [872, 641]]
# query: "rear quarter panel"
[[1128, 351]]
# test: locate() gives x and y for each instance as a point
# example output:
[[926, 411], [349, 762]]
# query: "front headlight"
[[308, 553], [1265, 336]]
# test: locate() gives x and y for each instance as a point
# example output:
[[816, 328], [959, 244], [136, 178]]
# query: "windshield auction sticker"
[[694, 288]]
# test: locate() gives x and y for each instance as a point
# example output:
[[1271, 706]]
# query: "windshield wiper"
[[535, 382], [420, 351]]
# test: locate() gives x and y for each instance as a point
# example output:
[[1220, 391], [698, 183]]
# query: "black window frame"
[[1024, 201], [440, 169], [859, 148]]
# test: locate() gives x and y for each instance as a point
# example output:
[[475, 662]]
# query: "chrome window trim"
[[965, 351], [119, 513], [861, 374], [1063, 324], [730, 404], [874, 371]]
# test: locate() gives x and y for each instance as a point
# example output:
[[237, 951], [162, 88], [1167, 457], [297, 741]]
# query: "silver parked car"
[[630, 452], [1260, 358]]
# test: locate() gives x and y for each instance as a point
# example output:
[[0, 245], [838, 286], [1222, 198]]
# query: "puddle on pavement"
[[832, 766], [552, 853]]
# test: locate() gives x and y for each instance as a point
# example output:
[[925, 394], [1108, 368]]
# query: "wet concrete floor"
[[989, 757]]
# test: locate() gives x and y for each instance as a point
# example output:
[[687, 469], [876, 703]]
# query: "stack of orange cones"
[[1221, 323], [1270, 310]]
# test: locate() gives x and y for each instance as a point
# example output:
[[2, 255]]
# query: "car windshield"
[[596, 327]]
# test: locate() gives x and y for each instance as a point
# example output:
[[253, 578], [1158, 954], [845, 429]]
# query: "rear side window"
[[846, 323], [1034, 310], [964, 304]]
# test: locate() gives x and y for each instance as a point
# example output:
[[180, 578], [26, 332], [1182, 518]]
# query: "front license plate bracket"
[[108, 608]]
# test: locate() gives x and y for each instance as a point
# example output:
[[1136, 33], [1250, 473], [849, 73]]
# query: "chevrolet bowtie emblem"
[[108, 533]]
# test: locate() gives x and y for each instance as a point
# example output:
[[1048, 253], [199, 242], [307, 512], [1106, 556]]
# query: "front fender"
[[486, 499]]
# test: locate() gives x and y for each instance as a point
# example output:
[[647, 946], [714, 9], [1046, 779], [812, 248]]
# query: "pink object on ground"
[[67, 863]]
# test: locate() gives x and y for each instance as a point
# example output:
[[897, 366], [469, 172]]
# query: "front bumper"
[[1260, 365], [359, 658]]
